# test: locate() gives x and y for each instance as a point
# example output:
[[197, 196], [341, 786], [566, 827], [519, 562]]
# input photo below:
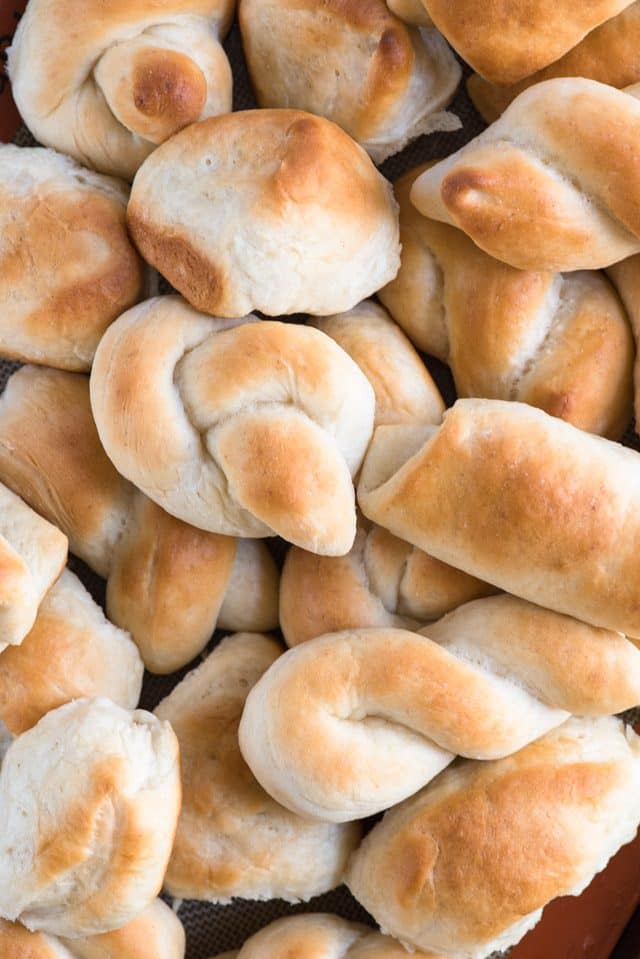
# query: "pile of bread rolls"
[[460, 592]]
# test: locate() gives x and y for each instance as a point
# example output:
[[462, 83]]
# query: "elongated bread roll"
[[351, 723], [519, 499], [233, 840], [554, 184], [168, 584], [466, 866], [561, 342], [237, 426]]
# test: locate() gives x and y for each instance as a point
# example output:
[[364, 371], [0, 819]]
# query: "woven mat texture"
[[215, 929]]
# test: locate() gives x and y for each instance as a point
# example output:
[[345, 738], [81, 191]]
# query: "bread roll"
[[625, 276], [554, 184], [319, 936], [89, 801], [404, 389], [351, 723], [67, 266], [466, 866], [156, 933], [520, 499], [72, 651], [607, 54], [271, 210], [505, 40], [354, 63], [123, 79], [168, 584], [239, 427], [382, 581], [233, 840], [560, 342], [32, 556]]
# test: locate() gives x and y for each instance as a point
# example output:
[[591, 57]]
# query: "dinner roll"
[[156, 933], [466, 866], [607, 54], [382, 581], [554, 184], [353, 722], [72, 651], [32, 556], [319, 936], [233, 840], [506, 41], [123, 79], [354, 63], [404, 389], [67, 266], [168, 584], [271, 210], [89, 801], [558, 341], [240, 427], [520, 499]]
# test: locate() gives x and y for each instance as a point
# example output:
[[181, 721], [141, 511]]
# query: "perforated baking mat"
[[215, 929]]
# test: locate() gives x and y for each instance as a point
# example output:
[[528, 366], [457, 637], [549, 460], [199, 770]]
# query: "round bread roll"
[[233, 839], [156, 933], [67, 266], [466, 866], [72, 651], [271, 210], [404, 389], [382, 581], [561, 342], [89, 801], [319, 936], [353, 722], [168, 583], [125, 77], [240, 427], [354, 63]]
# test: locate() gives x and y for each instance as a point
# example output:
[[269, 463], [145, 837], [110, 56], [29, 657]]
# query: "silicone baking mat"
[[586, 927]]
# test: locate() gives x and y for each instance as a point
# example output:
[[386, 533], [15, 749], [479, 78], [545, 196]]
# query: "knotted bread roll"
[[32, 556], [89, 801], [233, 840], [382, 581], [156, 933], [554, 184], [560, 342], [354, 63], [520, 499], [168, 584], [72, 651], [67, 266], [506, 40], [271, 210], [319, 936], [607, 54], [241, 427], [351, 723], [466, 866], [105, 83]]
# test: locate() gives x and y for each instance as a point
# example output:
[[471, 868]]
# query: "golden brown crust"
[[625, 276], [607, 54], [504, 41], [156, 933]]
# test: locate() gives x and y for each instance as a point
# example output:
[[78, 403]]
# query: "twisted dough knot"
[[125, 79], [352, 723], [237, 426], [382, 581], [559, 342], [168, 583], [320, 936], [554, 184]]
